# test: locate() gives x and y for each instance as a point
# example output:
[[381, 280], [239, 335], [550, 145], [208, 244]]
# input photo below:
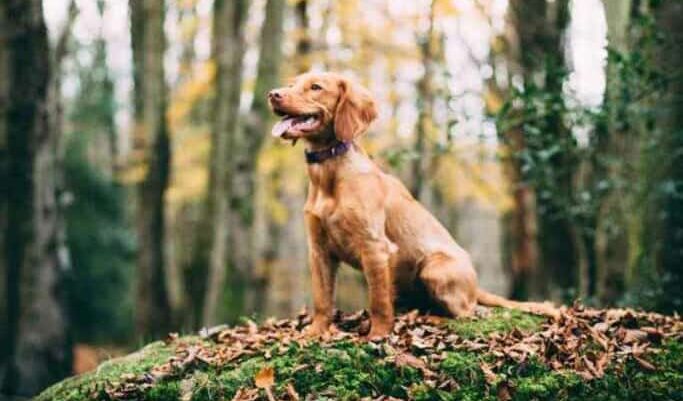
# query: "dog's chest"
[[337, 229]]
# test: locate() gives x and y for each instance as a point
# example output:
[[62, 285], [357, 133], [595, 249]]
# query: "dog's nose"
[[274, 95]]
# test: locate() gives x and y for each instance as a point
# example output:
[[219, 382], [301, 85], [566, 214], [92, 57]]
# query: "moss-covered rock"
[[473, 364]]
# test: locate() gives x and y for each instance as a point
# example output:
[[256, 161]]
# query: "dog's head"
[[315, 102]]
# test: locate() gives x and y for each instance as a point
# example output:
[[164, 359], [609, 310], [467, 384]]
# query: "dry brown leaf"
[[630, 336], [170, 338], [642, 362], [488, 373], [265, 377], [405, 359], [244, 394], [504, 393], [291, 391]]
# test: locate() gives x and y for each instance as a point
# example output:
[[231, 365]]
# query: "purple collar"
[[319, 156]]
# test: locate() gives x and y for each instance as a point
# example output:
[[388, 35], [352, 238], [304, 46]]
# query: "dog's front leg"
[[323, 274], [375, 259]]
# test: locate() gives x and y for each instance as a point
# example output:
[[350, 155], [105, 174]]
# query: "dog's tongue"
[[282, 126]]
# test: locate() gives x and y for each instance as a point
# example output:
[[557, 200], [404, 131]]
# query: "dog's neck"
[[324, 175]]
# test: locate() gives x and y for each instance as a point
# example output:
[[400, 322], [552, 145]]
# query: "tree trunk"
[[670, 17], [153, 312], [4, 185], [304, 44], [522, 224], [247, 148], [188, 21], [110, 145], [228, 50], [37, 340], [425, 103], [521, 221], [538, 236], [612, 248]]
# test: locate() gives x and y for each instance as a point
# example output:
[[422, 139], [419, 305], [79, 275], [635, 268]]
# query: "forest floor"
[[588, 354]]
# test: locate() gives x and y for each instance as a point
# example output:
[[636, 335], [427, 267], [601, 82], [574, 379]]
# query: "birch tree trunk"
[[228, 51], [37, 345], [153, 312]]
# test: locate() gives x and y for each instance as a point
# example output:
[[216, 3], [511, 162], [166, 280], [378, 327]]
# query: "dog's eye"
[[316, 87]]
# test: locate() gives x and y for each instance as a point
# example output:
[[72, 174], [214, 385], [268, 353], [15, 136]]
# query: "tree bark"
[[153, 312], [189, 23], [522, 224], [284, 256], [228, 51], [539, 26], [4, 187], [248, 146], [37, 339], [425, 90], [670, 17], [304, 44], [612, 248]]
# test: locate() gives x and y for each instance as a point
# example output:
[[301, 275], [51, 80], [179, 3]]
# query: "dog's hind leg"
[[451, 282]]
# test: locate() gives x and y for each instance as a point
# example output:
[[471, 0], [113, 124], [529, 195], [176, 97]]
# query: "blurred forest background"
[[142, 193]]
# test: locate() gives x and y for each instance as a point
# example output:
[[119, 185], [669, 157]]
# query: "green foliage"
[[102, 251], [100, 239]]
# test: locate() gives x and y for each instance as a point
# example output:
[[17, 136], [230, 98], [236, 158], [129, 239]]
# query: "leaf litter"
[[583, 340]]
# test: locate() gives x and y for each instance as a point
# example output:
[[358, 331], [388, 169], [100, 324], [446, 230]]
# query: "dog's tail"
[[540, 308]]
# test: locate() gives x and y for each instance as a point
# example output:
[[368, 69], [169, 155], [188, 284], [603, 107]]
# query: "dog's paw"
[[319, 330], [379, 332]]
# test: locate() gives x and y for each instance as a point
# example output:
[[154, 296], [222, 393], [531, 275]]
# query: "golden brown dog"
[[358, 214]]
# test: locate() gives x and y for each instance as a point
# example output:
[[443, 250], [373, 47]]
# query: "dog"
[[357, 214]]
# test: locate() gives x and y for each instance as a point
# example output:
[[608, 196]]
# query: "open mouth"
[[295, 125]]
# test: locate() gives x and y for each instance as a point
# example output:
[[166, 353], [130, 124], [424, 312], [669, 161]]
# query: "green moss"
[[164, 391], [500, 321], [349, 371], [345, 371], [82, 387]]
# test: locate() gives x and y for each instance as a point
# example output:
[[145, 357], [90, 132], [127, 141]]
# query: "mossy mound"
[[507, 355]]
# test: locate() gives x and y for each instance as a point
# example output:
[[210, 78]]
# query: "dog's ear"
[[355, 111]]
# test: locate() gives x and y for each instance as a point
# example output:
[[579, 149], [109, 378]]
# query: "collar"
[[319, 156]]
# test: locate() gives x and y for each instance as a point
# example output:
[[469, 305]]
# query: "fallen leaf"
[[411, 360], [504, 392], [488, 373], [291, 391], [642, 362], [265, 377], [170, 338]]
